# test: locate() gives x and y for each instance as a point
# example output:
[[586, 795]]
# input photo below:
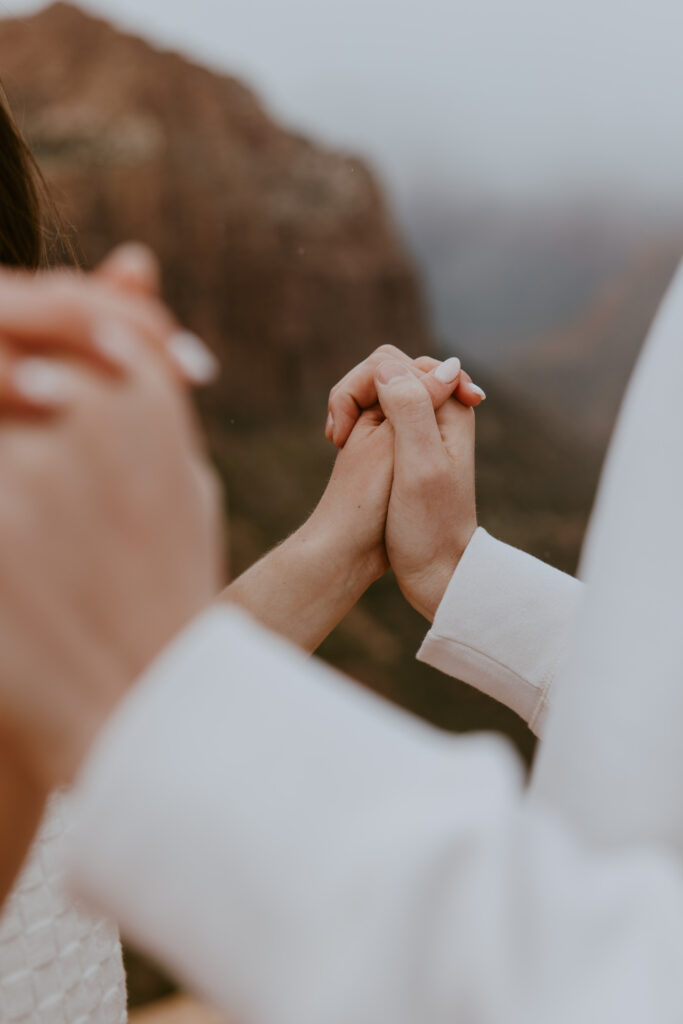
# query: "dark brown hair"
[[22, 190], [32, 233]]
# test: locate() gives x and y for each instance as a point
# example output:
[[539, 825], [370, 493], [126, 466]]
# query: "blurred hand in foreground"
[[63, 312], [110, 525]]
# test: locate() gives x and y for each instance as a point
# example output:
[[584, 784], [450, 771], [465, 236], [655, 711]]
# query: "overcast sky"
[[510, 96]]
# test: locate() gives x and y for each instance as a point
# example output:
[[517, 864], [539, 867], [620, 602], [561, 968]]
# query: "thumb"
[[407, 405]]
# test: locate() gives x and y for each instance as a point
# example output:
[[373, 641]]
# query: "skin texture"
[[304, 588], [432, 512], [389, 499], [357, 390], [102, 562], [103, 610], [65, 313], [22, 803]]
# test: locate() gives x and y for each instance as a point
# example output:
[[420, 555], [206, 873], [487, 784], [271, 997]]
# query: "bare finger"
[[134, 268], [357, 391]]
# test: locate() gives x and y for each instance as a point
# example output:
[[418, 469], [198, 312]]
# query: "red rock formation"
[[281, 253], [283, 256]]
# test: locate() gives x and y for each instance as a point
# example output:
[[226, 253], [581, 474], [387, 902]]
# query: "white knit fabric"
[[58, 965]]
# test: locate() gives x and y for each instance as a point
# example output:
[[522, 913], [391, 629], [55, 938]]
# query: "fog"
[[522, 100]]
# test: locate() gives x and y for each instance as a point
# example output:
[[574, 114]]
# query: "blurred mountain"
[[553, 304], [285, 257], [280, 253], [576, 374]]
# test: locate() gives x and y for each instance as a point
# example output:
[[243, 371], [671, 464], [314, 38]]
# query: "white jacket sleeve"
[[299, 851], [504, 626], [612, 757]]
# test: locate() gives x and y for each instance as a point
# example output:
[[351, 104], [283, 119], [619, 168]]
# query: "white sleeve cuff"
[[504, 626]]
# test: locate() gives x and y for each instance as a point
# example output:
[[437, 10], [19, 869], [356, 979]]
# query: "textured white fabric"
[[58, 964], [504, 626]]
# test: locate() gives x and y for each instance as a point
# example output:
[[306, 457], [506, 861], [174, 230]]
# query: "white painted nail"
[[478, 391], [448, 371], [116, 343], [194, 359], [329, 426], [43, 381], [135, 259]]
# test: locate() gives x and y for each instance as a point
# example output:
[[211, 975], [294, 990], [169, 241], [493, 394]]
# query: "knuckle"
[[387, 350], [428, 476], [371, 417], [412, 401]]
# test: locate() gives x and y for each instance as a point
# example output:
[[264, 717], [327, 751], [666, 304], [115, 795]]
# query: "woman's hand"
[[52, 327], [357, 390], [110, 542], [93, 318], [432, 512], [303, 588]]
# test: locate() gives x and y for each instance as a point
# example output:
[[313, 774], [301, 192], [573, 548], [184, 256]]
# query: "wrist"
[[304, 587], [20, 773], [351, 564], [22, 802], [425, 589]]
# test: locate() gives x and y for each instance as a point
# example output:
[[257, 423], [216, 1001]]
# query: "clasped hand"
[[110, 518], [402, 489]]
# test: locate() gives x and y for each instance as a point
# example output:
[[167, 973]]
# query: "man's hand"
[[432, 512], [110, 542]]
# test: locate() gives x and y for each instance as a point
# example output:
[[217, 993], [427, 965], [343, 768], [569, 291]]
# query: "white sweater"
[[301, 852]]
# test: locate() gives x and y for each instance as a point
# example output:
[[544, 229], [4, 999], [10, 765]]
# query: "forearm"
[[304, 588], [22, 803]]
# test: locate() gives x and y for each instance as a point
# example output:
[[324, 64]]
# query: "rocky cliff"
[[281, 253]]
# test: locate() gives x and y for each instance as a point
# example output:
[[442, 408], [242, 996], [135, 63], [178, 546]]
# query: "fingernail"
[[194, 359], [475, 389], [448, 371], [115, 343], [329, 426], [392, 370], [43, 381]]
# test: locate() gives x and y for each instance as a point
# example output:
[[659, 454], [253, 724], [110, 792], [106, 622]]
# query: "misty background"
[[536, 99]]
